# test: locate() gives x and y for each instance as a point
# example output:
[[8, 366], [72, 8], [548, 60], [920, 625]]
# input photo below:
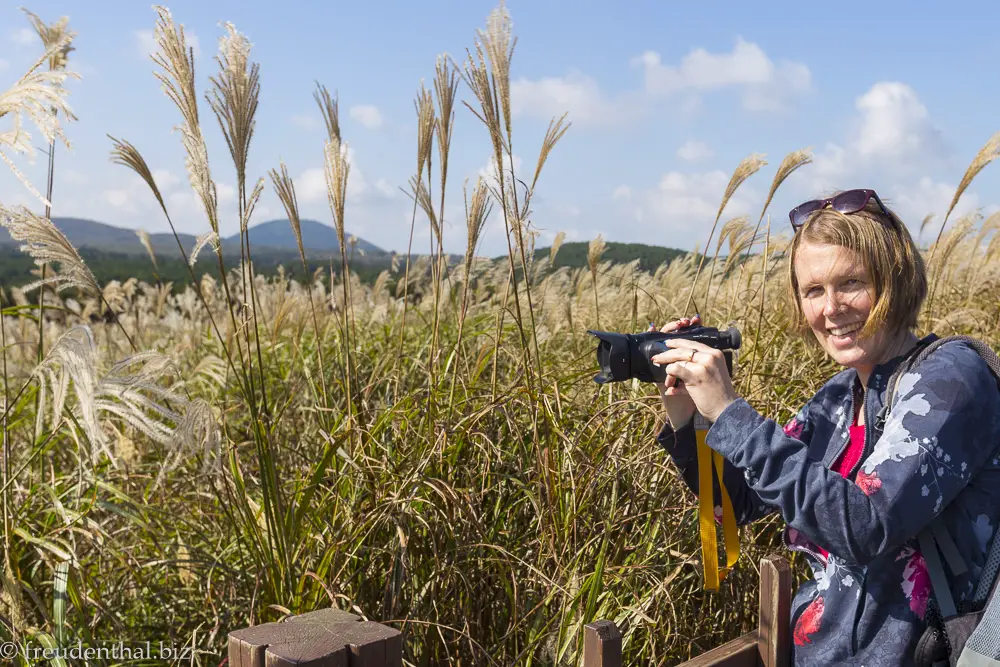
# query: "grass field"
[[436, 457]]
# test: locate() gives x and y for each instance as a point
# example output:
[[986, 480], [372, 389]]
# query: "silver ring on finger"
[[693, 352]]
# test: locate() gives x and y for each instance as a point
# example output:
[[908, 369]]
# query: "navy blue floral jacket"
[[938, 455]]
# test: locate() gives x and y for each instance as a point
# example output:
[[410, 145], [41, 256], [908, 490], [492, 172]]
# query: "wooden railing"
[[334, 638], [767, 646]]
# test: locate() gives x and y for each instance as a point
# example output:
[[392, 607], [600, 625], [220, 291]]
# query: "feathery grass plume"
[[557, 128], [144, 240], [328, 108], [336, 171], [477, 211], [203, 240], [594, 251], [44, 241], [284, 188], [499, 42], [127, 155], [989, 152], [53, 34], [556, 244], [749, 166], [176, 59], [423, 198], [445, 86], [235, 94], [258, 189], [792, 161], [40, 97], [926, 221], [424, 106]]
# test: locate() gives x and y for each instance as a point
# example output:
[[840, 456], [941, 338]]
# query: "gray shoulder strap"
[[939, 583]]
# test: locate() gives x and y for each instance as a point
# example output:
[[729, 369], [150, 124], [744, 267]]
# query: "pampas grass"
[[41, 239], [749, 166]]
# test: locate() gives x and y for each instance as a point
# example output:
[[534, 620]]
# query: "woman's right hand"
[[676, 401]]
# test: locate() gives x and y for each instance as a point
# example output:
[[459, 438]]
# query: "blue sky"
[[665, 99]]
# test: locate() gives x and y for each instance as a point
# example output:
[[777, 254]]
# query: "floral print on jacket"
[[939, 455]]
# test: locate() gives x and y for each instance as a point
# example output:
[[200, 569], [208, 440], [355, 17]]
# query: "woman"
[[854, 506]]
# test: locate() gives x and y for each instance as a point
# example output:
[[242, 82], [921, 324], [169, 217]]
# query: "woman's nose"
[[832, 306]]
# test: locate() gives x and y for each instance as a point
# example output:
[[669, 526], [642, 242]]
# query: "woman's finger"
[[682, 322]]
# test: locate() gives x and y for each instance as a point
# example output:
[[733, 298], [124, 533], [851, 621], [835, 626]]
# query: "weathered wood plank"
[[602, 645], [741, 652], [773, 633]]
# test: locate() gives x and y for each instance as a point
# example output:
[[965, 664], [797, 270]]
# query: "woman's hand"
[[676, 401], [702, 369]]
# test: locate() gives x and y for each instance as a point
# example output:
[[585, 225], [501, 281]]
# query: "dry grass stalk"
[[328, 108], [202, 241], [38, 96], [555, 132], [284, 188], [144, 240], [556, 244], [44, 241], [749, 166], [251, 204], [176, 59], [234, 96], [989, 152]]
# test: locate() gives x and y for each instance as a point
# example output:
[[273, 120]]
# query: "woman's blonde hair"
[[890, 256]]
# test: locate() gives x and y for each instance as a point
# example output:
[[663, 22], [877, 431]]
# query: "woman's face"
[[837, 294]]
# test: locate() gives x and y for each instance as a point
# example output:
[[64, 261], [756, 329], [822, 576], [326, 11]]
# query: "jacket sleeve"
[[682, 447], [942, 427]]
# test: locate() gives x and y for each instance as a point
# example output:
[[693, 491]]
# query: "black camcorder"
[[626, 356]]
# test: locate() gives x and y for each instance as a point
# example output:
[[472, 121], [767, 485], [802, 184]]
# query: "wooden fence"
[[334, 638]]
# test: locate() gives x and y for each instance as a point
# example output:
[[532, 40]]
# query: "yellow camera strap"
[[706, 512]]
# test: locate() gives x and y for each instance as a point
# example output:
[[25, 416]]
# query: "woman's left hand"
[[703, 371]]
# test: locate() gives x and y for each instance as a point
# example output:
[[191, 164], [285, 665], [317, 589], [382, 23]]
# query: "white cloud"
[[310, 186], [894, 146], [685, 205], [895, 125], [622, 192], [147, 46], [913, 202], [694, 151], [225, 193], [489, 170], [576, 94], [766, 85], [24, 36], [368, 115], [119, 198], [165, 179]]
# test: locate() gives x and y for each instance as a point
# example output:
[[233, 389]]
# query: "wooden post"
[[773, 641], [602, 645], [324, 638], [767, 646]]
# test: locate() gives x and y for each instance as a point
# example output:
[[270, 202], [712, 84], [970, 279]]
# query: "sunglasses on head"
[[849, 201]]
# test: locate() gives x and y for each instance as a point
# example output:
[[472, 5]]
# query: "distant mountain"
[[98, 235], [316, 237], [319, 240], [574, 254]]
